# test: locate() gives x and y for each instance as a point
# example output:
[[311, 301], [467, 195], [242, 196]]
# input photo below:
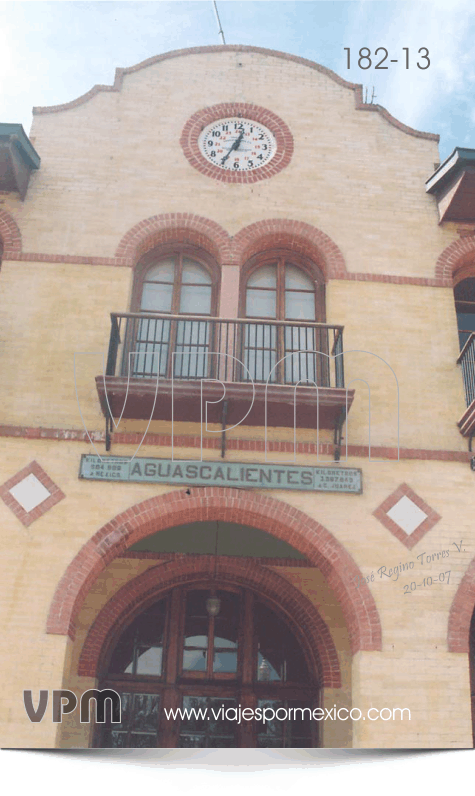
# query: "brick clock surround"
[[91, 563], [206, 116]]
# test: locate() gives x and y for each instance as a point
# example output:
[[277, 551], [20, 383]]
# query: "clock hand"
[[234, 146], [241, 136]]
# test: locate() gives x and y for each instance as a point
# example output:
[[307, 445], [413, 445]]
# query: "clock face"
[[237, 144]]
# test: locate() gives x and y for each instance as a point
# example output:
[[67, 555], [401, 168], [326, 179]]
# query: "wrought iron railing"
[[467, 360], [187, 347]]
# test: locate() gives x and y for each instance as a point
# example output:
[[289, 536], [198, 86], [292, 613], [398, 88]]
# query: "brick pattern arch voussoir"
[[228, 505], [174, 228], [295, 236], [460, 254], [461, 611], [9, 235]]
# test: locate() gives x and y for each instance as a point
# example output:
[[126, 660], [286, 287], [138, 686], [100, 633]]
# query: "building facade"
[[237, 314]]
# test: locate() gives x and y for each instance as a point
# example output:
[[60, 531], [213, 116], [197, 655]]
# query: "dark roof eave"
[[15, 134], [459, 159]]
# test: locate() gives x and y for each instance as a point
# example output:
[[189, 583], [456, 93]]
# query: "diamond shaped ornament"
[[406, 515], [30, 493]]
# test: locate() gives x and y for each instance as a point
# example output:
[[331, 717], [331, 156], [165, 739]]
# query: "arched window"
[[176, 284], [280, 290], [203, 649], [464, 294]]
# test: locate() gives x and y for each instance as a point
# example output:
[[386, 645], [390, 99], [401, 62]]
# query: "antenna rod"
[[220, 28]]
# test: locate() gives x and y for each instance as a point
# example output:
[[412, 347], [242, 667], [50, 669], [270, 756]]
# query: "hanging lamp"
[[213, 603]]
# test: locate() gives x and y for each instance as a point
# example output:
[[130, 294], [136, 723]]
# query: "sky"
[[53, 52]]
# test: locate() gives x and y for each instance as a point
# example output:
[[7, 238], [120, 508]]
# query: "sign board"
[[238, 474]]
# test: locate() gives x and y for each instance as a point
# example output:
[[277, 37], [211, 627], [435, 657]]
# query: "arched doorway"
[[210, 650]]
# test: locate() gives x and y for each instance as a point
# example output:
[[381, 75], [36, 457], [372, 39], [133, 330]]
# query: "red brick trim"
[[179, 507], [134, 597], [69, 259], [226, 256], [174, 228], [10, 235], [459, 256], [356, 87], [360, 105], [461, 612], [296, 236], [211, 443], [412, 539], [397, 280], [27, 517], [200, 119]]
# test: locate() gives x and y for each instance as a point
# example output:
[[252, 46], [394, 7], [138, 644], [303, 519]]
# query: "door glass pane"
[[278, 647], [300, 727], [196, 632], [224, 661], [141, 643], [149, 660], [139, 723], [271, 734], [226, 629], [207, 725], [123, 657], [290, 726], [113, 739], [145, 713], [194, 660], [266, 671], [149, 626], [142, 741]]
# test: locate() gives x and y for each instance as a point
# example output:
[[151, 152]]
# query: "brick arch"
[[461, 611], [10, 235], [179, 507], [136, 595], [296, 236], [172, 228], [455, 260]]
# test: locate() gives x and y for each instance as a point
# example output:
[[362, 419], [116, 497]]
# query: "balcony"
[[466, 359], [279, 362]]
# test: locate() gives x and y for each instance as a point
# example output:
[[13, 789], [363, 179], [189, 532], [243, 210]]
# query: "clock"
[[237, 142]]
